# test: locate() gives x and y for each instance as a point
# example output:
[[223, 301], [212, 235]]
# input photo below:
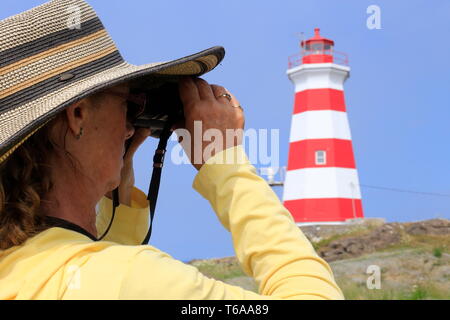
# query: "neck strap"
[[61, 223], [152, 195], [158, 162]]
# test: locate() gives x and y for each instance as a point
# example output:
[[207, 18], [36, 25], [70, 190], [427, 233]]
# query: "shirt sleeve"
[[130, 224], [268, 244]]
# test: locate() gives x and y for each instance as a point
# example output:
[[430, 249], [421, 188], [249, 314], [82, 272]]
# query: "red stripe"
[[321, 210], [317, 58], [339, 153], [319, 99]]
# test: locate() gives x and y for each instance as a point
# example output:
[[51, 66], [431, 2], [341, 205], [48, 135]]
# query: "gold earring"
[[80, 134]]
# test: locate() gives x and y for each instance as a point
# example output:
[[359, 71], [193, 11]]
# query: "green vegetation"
[[356, 232], [427, 291], [437, 252], [437, 244], [353, 290], [415, 268], [219, 271]]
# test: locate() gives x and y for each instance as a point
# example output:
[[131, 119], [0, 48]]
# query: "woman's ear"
[[77, 115]]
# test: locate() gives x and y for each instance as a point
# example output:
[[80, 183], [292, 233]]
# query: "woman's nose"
[[130, 130]]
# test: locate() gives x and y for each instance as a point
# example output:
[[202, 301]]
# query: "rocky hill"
[[413, 258]]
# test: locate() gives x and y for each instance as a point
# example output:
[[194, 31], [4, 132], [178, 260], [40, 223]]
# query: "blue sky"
[[397, 96]]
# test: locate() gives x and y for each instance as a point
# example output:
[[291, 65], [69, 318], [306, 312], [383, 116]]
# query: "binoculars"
[[162, 104]]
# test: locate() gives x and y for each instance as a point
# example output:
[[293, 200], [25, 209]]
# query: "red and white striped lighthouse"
[[321, 184]]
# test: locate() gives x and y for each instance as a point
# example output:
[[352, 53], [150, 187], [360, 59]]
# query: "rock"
[[344, 248], [431, 227]]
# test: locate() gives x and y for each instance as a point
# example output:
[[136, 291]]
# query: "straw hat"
[[58, 53]]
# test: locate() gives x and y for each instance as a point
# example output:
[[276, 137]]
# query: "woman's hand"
[[206, 103], [127, 174]]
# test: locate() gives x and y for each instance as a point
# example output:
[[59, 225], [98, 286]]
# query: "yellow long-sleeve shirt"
[[63, 264]]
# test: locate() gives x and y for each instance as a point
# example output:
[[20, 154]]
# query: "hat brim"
[[22, 122]]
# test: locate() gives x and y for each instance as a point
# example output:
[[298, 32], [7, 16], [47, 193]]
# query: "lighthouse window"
[[317, 47], [321, 157]]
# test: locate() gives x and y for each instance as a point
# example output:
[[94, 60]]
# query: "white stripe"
[[319, 76], [320, 124], [314, 183]]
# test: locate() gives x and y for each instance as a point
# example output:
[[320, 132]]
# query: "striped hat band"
[[58, 53]]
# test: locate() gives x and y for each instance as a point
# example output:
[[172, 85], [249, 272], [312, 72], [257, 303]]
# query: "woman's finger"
[[219, 90], [204, 89], [138, 138], [188, 91]]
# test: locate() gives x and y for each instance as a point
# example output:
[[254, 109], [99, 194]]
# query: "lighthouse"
[[321, 184]]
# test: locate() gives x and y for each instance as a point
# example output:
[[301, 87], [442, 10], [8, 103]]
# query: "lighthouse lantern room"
[[317, 49]]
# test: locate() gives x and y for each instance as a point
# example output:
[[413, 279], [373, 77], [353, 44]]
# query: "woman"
[[65, 148]]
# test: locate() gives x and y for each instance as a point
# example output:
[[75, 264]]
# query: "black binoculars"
[[161, 104]]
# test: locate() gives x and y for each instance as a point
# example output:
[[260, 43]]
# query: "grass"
[[351, 289], [437, 252], [326, 242], [397, 286], [437, 244], [219, 271], [352, 233], [426, 291]]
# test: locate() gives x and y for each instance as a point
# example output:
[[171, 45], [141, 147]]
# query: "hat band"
[[43, 88]]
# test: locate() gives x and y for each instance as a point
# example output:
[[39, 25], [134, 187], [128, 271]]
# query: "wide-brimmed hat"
[[58, 53]]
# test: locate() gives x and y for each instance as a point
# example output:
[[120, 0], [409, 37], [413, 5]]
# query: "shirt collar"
[[61, 223]]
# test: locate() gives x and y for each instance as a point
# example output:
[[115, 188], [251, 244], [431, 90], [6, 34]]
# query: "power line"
[[406, 191], [281, 183]]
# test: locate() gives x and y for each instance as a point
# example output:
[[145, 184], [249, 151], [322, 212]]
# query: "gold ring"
[[225, 95]]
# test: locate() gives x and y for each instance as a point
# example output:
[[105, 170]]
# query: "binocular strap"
[[152, 195], [115, 204], [158, 162]]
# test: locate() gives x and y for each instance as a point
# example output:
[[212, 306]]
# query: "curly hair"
[[24, 180]]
